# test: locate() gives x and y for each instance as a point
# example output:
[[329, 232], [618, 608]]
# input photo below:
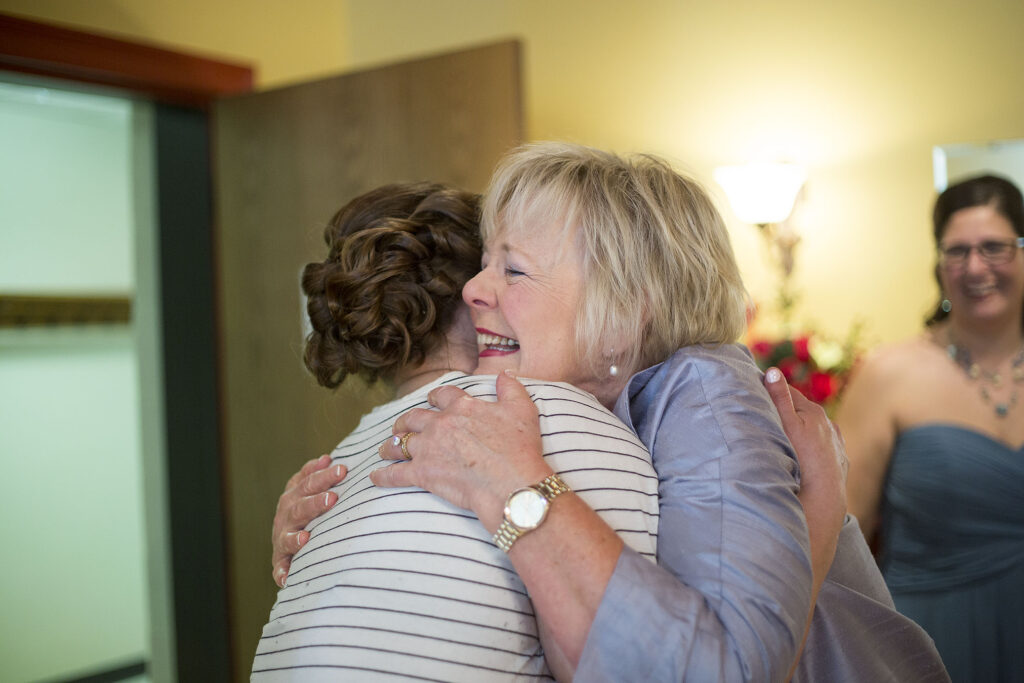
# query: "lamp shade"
[[761, 193]]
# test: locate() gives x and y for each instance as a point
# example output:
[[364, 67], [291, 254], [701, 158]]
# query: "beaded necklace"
[[962, 357]]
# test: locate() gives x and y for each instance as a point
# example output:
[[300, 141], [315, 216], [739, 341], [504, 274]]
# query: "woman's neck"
[[988, 346], [408, 382]]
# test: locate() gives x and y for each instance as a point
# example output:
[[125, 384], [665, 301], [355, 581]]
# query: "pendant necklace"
[[962, 357]]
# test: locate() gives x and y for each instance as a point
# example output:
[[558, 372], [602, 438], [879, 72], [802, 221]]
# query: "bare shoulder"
[[898, 384], [905, 361]]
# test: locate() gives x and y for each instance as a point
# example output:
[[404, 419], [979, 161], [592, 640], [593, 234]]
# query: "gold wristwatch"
[[526, 508]]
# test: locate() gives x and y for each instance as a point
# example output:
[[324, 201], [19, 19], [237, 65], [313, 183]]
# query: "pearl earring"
[[947, 305], [614, 369]]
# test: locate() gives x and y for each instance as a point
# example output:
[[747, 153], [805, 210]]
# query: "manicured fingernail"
[[327, 499], [337, 471], [508, 372], [773, 375]]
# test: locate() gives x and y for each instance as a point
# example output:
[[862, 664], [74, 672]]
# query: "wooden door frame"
[[159, 74], [183, 87]]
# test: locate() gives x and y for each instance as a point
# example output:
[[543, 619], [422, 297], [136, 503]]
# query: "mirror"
[[958, 161]]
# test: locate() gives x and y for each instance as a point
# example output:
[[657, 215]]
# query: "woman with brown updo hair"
[[399, 582], [390, 289]]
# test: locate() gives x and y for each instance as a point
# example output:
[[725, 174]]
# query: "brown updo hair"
[[392, 281]]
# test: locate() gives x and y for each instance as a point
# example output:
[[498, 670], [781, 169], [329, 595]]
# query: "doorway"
[[76, 595]]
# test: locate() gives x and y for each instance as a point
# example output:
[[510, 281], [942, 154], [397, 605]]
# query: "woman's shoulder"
[[572, 398], [904, 359], [717, 370], [702, 387]]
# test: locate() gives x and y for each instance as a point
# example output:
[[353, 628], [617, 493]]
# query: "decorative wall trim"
[[36, 311]]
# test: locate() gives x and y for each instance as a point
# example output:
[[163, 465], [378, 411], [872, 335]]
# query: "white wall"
[[74, 591]]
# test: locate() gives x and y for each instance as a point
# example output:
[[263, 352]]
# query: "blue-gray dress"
[[953, 547], [729, 596]]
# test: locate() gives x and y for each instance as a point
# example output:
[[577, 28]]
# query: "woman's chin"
[[494, 365]]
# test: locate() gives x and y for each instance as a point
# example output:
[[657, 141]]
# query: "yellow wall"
[[858, 92]]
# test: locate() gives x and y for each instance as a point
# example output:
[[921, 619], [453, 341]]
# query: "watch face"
[[526, 508]]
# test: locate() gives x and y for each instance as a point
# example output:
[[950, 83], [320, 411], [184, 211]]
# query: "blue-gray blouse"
[[729, 596]]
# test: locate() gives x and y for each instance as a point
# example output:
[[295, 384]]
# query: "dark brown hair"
[[986, 190], [392, 281]]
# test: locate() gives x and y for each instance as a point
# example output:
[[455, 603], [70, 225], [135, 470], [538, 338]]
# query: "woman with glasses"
[[935, 433]]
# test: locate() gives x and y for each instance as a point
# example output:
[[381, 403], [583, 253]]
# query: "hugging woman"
[[400, 582], [617, 276]]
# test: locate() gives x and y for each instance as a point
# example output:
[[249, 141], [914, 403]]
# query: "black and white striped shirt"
[[399, 584]]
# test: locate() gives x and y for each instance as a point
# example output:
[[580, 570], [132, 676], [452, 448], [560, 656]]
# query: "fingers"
[[308, 508], [782, 397], [397, 447], [290, 520], [415, 420], [281, 572], [320, 481], [282, 559], [305, 498], [311, 466], [802, 404], [392, 448], [293, 540], [442, 397], [509, 388], [392, 476]]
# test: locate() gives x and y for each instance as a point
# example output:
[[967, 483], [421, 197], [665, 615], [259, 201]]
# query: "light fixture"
[[764, 194], [761, 193]]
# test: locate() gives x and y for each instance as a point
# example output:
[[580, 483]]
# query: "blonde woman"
[[617, 276]]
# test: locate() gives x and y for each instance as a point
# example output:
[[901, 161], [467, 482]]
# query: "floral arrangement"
[[815, 365]]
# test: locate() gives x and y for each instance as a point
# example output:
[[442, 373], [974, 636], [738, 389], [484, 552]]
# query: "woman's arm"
[[823, 468], [727, 623], [869, 427], [810, 423], [474, 453]]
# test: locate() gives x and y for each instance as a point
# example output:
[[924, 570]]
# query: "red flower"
[[822, 386], [793, 357], [800, 348], [762, 349]]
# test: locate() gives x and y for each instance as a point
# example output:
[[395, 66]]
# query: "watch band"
[[508, 533]]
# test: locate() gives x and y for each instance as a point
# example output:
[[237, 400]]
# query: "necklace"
[[962, 357]]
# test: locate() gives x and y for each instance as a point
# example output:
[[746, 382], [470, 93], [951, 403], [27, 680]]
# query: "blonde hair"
[[658, 270]]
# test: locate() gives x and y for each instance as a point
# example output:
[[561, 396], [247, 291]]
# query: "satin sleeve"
[[730, 594]]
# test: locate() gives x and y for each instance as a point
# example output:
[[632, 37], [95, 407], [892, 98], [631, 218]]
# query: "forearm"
[[556, 660], [636, 619], [565, 565]]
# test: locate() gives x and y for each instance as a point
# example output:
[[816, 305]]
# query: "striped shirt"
[[399, 584]]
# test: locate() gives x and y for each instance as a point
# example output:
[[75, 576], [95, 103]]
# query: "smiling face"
[[524, 305], [982, 293]]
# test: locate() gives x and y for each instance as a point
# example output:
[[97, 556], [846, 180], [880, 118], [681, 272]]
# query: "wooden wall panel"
[[285, 160]]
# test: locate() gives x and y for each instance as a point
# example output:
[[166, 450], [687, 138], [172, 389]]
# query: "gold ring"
[[405, 445]]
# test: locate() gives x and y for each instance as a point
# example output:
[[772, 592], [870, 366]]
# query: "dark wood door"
[[284, 161]]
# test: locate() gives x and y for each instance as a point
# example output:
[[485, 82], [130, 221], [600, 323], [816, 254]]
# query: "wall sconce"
[[764, 194]]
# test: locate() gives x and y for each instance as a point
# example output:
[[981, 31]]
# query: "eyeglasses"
[[992, 252]]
